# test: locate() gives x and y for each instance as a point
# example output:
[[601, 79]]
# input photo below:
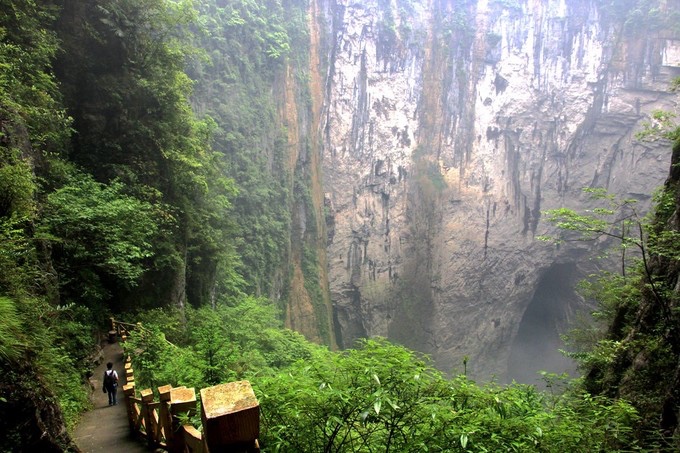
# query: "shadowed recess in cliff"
[[537, 344]]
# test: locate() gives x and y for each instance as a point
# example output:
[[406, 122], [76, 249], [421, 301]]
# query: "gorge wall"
[[446, 128]]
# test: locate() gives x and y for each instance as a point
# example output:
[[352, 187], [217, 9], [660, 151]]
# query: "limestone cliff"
[[446, 128]]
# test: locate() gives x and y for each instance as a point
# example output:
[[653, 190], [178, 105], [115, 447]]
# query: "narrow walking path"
[[105, 428]]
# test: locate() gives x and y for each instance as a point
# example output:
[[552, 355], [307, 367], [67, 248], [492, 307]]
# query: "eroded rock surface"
[[447, 130]]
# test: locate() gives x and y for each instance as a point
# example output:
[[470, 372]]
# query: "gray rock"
[[444, 143]]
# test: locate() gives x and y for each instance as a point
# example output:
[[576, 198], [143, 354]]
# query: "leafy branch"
[[663, 124], [618, 219]]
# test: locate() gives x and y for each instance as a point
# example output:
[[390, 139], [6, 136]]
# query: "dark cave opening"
[[537, 344]]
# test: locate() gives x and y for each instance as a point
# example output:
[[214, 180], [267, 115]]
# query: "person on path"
[[110, 385]]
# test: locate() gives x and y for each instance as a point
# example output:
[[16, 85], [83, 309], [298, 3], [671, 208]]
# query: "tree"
[[123, 73], [636, 356], [209, 337], [102, 238], [617, 219]]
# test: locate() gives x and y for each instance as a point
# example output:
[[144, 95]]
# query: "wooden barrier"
[[119, 329], [230, 413], [193, 440]]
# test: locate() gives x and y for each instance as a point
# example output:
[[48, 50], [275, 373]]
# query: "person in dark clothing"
[[110, 383]]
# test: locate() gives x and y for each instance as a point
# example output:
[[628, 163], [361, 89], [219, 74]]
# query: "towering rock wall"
[[447, 128]]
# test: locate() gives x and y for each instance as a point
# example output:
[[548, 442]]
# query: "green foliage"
[[11, 343], [378, 397], [428, 174], [153, 354], [615, 219], [255, 336], [247, 42], [99, 232], [311, 272], [169, 320], [17, 260], [309, 259], [634, 17], [29, 109], [43, 346], [260, 26], [65, 356], [141, 132], [56, 342], [214, 345], [381, 397], [630, 351], [662, 124], [17, 187], [455, 24], [32, 123], [210, 338]]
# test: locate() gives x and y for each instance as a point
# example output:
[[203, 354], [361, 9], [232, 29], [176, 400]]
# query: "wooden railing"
[[120, 330], [230, 413]]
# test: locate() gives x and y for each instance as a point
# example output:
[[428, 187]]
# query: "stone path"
[[105, 428]]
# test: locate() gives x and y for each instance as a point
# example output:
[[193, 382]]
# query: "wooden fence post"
[[129, 373], [182, 401], [129, 390], [170, 434], [147, 399], [164, 414], [230, 413], [193, 440], [112, 331], [231, 417]]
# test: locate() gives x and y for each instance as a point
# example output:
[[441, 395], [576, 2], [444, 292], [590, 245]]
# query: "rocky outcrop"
[[30, 418], [447, 129]]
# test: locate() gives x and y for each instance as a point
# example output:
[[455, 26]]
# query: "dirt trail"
[[105, 428]]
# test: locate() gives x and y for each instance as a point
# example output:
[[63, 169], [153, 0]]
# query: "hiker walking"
[[110, 385]]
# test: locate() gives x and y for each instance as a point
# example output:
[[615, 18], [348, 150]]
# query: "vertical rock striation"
[[447, 127]]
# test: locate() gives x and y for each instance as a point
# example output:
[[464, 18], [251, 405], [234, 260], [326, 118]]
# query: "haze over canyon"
[[443, 129]]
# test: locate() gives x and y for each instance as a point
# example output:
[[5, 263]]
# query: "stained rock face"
[[447, 131]]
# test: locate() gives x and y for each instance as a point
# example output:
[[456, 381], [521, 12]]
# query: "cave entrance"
[[537, 344]]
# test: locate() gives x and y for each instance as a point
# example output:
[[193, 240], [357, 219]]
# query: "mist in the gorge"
[[538, 344]]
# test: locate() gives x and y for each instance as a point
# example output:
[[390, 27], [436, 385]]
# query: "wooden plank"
[[138, 417], [147, 400], [129, 390], [182, 401], [155, 422], [193, 440], [164, 414]]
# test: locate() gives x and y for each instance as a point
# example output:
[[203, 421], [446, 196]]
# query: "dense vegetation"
[[632, 350], [376, 397], [130, 184], [112, 195]]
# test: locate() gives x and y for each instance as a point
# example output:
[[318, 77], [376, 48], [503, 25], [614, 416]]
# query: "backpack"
[[109, 379]]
